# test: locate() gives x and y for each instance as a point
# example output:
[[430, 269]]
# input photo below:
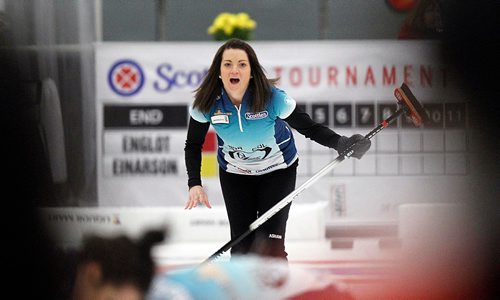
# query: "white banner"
[[168, 73], [68, 225], [144, 89]]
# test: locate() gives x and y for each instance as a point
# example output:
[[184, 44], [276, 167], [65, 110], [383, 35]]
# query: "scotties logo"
[[256, 116], [126, 78]]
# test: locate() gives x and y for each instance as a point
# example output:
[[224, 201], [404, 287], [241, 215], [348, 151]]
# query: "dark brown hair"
[[122, 260], [415, 19], [211, 85]]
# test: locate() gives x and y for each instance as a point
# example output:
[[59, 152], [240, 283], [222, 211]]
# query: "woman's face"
[[235, 71]]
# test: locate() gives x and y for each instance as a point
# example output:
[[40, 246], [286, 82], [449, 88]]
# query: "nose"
[[234, 70]]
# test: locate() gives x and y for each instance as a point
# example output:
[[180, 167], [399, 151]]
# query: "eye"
[[243, 65], [226, 64]]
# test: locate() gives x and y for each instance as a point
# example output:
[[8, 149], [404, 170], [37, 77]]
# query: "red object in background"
[[210, 144], [401, 5]]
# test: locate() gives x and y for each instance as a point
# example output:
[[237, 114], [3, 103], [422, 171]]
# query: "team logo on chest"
[[256, 116]]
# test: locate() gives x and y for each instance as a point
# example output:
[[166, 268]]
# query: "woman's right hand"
[[197, 195]]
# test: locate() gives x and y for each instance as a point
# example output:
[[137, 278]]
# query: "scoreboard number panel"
[[384, 110], [435, 114], [320, 113], [365, 115], [342, 115], [455, 115]]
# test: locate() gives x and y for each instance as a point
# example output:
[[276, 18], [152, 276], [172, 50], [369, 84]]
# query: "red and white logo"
[[126, 77]]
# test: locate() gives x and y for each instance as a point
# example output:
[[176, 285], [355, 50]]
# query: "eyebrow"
[[238, 60]]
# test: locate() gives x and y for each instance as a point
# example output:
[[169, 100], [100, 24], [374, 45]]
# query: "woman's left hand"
[[197, 195]]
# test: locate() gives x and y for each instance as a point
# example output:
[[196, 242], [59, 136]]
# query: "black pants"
[[248, 197]]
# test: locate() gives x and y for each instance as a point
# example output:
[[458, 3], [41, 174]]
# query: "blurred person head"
[[114, 267], [424, 21]]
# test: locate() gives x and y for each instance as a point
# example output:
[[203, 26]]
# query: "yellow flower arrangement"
[[227, 25]]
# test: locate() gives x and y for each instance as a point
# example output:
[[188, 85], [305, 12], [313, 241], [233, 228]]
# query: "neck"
[[236, 98], [235, 101]]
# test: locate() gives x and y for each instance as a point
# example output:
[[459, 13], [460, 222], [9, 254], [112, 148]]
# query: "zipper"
[[239, 117]]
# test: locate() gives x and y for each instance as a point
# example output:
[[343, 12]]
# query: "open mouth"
[[234, 80]]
